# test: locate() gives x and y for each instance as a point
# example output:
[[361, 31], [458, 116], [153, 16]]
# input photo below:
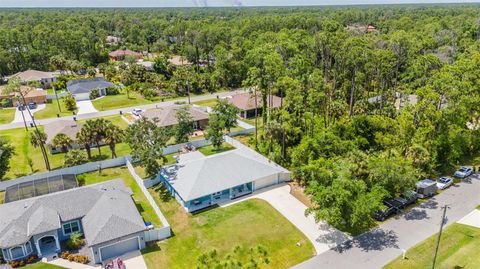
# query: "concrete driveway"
[[132, 260], [18, 114], [376, 248], [322, 236], [85, 107]]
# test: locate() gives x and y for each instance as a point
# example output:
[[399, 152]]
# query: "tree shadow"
[[430, 204], [375, 240], [332, 237], [416, 214]]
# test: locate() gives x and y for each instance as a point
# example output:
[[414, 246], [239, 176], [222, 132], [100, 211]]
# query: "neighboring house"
[[199, 181], [81, 88], [44, 78], [402, 100], [178, 60], [38, 96], [68, 127], [119, 55], [104, 213], [147, 65], [167, 116], [246, 103], [113, 40]]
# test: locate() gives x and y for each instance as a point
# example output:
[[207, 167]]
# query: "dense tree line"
[[345, 128]]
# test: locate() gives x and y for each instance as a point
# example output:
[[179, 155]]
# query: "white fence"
[[156, 234], [196, 143], [53, 96], [79, 169]]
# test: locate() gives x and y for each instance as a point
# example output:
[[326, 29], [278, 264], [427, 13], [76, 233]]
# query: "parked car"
[[137, 112], [426, 188], [21, 107], [382, 215], [32, 105], [463, 172], [444, 182], [409, 198]]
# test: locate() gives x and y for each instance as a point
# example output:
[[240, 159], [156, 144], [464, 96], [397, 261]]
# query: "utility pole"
[[439, 235], [188, 91]]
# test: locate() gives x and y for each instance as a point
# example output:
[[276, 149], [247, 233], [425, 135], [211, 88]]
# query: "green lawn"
[[143, 206], [210, 150], [458, 249], [2, 197], [7, 115], [209, 102], [249, 224], [51, 111], [42, 266], [19, 165], [115, 119], [119, 101]]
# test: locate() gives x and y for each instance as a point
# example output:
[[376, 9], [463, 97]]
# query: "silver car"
[[444, 182], [463, 172]]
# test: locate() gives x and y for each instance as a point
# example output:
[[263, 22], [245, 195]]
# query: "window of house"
[[17, 252], [71, 227]]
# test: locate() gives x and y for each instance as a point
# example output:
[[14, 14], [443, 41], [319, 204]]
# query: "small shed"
[[426, 188]]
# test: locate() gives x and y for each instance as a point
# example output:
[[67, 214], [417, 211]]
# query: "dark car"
[[406, 199], [21, 107], [32, 105], [391, 210]]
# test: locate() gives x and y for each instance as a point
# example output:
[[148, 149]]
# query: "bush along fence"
[[158, 233]]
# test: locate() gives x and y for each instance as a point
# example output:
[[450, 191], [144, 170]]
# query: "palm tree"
[[96, 130], [85, 138], [113, 136], [62, 141]]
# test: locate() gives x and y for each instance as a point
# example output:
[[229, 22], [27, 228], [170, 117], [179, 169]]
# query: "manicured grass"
[[248, 224], [20, 140], [143, 206], [458, 249], [7, 115], [209, 102], [210, 150], [119, 101], [51, 111], [115, 119], [43, 266], [2, 197]]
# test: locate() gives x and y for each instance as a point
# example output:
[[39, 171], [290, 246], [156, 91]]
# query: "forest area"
[[373, 98]]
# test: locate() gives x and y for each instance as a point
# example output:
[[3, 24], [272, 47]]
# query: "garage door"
[[82, 96], [119, 248], [265, 182]]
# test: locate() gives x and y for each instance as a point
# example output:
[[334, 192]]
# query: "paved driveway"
[[18, 114], [322, 236], [376, 248], [85, 107], [132, 260]]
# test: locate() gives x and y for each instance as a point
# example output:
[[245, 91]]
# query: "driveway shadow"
[[416, 214], [375, 240]]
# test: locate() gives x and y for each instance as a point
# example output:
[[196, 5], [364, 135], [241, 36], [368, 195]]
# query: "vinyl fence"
[[79, 169]]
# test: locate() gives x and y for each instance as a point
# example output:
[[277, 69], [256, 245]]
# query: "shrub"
[[81, 259], [64, 255], [148, 93], [6, 103], [112, 91], [75, 241], [94, 94], [70, 102], [71, 257], [31, 259], [75, 157]]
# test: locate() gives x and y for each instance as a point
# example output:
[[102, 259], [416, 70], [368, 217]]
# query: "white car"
[[463, 172], [444, 182], [137, 112]]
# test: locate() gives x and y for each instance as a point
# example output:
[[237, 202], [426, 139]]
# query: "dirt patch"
[[298, 192]]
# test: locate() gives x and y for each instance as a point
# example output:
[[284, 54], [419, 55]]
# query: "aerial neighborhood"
[[240, 137]]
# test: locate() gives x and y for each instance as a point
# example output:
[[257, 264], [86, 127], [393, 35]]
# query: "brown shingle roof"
[[68, 127], [167, 116], [34, 75], [121, 53], [246, 101]]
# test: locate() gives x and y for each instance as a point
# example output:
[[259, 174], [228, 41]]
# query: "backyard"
[[248, 224], [141, 201], [7, 115], [210, 150], [51, 111], [458, 249], [26, 154]]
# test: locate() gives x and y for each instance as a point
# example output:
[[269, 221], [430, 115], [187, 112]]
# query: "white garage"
[[265, 182], [82, 96], [119, 248]]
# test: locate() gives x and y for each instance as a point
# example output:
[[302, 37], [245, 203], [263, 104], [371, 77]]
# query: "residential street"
[[376, 248], [125, 109]]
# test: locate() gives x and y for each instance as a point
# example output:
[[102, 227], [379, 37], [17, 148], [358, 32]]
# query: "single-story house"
[[119, 55], [38, 96], [167, 116], [81, 88], [68, 127], [113, 40], [44, 78], [147, 65], [199, 181], [246, 103], [104, 213]]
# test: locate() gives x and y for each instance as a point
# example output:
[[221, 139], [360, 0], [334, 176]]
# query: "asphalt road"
[[117, 111], [378, 247]]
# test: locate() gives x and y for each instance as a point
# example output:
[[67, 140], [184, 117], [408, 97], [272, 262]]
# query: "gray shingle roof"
[[87, 85], [200, 177], [68, 127], [167, 116], [107, 211]]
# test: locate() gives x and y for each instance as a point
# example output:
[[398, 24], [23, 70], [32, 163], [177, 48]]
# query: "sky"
[[193, 3]]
